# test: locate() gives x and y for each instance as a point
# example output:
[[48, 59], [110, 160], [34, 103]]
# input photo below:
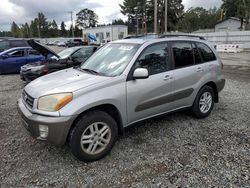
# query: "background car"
[[61, 44], [75, 42], [8, 43], [11, 60], [67, 58]]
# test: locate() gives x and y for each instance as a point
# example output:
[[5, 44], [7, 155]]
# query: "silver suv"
[[122, 83]]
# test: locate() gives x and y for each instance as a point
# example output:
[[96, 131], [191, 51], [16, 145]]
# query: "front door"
[[153, 95]]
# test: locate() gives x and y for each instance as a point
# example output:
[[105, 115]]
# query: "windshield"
[[111, 59], [66, 53]]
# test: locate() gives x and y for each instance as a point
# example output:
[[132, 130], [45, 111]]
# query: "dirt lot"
[[172, 151]]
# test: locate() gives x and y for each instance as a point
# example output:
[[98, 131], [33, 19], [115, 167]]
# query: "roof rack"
[[181, 35]]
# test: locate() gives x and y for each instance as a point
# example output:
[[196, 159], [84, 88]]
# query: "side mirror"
[[4, 56], [140, 73]]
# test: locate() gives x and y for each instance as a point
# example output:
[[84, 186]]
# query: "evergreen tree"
[[15, 30], [77, 32], [63, 32]]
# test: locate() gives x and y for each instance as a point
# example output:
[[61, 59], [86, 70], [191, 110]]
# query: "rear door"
[[153, 95], [34, 56], [188, 72], [208, 58]]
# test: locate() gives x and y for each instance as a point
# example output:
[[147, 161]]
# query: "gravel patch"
[[176, 150]]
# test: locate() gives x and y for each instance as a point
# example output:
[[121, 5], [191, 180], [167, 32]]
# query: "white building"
[[229, 24], [106, 33]]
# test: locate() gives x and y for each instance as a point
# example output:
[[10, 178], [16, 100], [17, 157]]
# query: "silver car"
[[124, 82]]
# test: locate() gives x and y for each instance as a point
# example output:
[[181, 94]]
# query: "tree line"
[[39, 27], [140, 14]]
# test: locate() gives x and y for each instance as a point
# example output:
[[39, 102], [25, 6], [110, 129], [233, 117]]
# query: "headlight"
[[37, 68], [54, 102]]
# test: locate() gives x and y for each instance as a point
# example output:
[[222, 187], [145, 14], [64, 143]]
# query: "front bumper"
[[58, 127], [28, 75]]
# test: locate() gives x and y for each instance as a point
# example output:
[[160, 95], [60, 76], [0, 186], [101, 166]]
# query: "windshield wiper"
[[90, 71]]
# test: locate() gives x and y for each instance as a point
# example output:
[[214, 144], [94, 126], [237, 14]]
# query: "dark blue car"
[[11, 60]]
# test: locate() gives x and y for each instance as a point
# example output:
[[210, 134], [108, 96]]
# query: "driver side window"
[[155, 58], [16, 53]]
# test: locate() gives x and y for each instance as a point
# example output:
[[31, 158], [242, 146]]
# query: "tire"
[[95, 146], [202, 106]]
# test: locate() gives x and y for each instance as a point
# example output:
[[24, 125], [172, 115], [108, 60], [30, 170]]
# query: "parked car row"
[[68, 43], [67, 58], [122, 83], [36, 60]]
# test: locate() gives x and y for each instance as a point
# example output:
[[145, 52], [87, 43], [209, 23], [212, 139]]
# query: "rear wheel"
[[93, 136], [204, 102]]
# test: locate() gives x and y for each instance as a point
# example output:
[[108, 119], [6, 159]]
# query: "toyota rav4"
[[124, 82]]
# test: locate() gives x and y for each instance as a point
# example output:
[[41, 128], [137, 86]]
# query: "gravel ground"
[[172, 151]]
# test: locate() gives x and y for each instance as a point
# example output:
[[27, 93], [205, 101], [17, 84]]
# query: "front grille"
[[28, 99]]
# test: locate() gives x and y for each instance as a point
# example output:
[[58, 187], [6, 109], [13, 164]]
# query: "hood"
[[41, 49], [68, 80], [39, 63]]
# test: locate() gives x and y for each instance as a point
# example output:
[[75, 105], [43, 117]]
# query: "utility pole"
[[72, 26], [137, 20], [166, 16], [155, 17]]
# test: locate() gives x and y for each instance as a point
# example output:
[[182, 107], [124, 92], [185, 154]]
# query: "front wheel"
[[204, 102], [93, 136]]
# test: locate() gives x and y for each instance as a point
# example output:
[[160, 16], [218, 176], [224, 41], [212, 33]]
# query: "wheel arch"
[[110, 109], [214, 87]]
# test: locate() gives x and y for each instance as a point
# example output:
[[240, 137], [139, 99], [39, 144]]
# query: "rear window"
[[4, 45], [18, 43], [206, 53], [183, 54]]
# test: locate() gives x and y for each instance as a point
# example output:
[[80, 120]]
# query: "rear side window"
[[206, 53], [197, 56], [33, 52], [183, 54]]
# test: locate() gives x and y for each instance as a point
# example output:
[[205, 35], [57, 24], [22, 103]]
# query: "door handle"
[[199, 69], [168, 77]]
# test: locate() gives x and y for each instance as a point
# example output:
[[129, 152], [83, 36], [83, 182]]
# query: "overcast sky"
[[22, 11]]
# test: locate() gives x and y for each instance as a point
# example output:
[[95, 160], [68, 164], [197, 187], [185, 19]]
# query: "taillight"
[[221, 65]]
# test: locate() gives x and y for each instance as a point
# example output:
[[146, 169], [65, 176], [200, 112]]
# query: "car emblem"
[[25, 97]]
